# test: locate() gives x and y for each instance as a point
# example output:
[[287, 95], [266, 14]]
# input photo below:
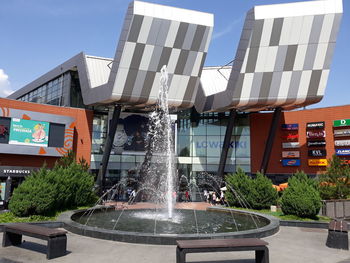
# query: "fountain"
[[158, 222]]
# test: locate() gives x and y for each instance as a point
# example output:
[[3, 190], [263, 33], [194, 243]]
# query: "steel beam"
[[270, 139]]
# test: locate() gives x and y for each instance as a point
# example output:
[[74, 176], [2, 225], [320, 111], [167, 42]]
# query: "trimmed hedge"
[[243, 191], [301, 197], [67, 185]]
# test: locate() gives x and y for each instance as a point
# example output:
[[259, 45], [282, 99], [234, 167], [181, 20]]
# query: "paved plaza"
[[290, 244]]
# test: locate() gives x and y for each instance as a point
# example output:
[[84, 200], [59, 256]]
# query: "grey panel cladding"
[[335, 28], [137, 56], [135, 28], [257, 32], [314, 83], [316, 29], [290, 58], [180, 36], [198, 38], [163, 32], [154, 30], [276, 31], [252, 57]]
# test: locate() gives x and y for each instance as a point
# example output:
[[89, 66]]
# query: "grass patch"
[[279, 214], [9, 217]]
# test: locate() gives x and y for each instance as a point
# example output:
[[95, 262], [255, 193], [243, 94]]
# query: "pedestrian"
[[187, 196], [222, 198], [213, 198], [132, 197]]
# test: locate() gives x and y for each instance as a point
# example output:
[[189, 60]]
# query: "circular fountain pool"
[[154, 227]]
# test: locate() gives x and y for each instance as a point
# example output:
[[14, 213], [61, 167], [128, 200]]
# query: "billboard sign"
[[317, 153], [315, 125], [290, 145], [341, 123], [291, 162], [316, 144], [342, 143], [342, 133], [290, 154], [29, 132], [315, 134], [290, 127], [317, 162], [342, 152]]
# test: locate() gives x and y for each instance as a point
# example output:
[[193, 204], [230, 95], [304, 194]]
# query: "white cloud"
[[5, 85]]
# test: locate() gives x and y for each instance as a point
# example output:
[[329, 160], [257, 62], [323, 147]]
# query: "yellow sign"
[[318, 162]]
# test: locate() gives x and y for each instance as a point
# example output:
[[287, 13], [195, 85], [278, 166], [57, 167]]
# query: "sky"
[[38, 35]]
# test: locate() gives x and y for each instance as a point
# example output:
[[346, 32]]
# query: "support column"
[[108, 147], [227, 140], [270, 139]]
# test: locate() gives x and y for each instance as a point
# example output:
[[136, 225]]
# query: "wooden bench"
[[218, 245], [338, 235], [56, 239]]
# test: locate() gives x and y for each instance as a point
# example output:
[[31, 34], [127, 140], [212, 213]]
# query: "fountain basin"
[[215, 222]]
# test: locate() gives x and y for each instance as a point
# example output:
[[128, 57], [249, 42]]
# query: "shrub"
[[244, 191], [335, 183], [301, 198], [67, 185], [264, 195]]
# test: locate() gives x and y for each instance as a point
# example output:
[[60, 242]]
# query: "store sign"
[[290, 127], [316, 144], [290, 145], [317, 153], [315, 125], [16, 171], [342, 152], [291, 162], [315, 135], [290, 137], [341, 123], [342, 143], [317, 162], [290, 154], [342, 133], [28, 132]]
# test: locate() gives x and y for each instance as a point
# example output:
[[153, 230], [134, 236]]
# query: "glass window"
[[214, 146], [200, 146], [184, 146]]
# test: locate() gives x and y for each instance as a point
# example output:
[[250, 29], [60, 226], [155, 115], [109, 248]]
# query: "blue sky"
[[38, 35]]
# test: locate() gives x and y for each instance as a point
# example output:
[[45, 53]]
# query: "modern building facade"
[[282, 61]]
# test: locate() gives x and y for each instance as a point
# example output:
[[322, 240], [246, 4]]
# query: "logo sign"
[[342, 143], [315, 135], [316, 144], [317, 153], [341, 123], [342, 152], [291, 162], [291, 154], [290, 127], [290, 145], [315, 125], [317, 162], [290, 136], [342, 133]]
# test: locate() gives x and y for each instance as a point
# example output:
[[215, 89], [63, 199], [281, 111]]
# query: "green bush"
[[264, 195], [243, 191], [301, 198], [67, 185], [335, 183]]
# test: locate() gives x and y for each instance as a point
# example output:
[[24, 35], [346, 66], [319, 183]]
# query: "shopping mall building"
[[249, 114]]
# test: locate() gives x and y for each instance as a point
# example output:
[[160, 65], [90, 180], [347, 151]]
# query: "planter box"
[[339, 208]]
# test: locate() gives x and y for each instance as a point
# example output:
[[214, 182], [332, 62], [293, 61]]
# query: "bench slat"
[[36, 230], [221, 243]]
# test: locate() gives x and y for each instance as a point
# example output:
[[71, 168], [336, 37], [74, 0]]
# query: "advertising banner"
[[291, 162], [342, 133], [290, 154], [342, 152], [317, 162], [290, 145], [315, 134], [316, 144], [290, 136], [4, 129], [342, 143], [28, 132], [341, 123], [315, 125], [2, 191], [290, 127], [317, 153]]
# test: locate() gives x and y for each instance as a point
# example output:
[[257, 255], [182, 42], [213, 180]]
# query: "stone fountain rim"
[[165, 239]]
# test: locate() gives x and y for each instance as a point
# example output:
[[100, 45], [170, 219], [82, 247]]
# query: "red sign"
[[315, 134], [290, 136]]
